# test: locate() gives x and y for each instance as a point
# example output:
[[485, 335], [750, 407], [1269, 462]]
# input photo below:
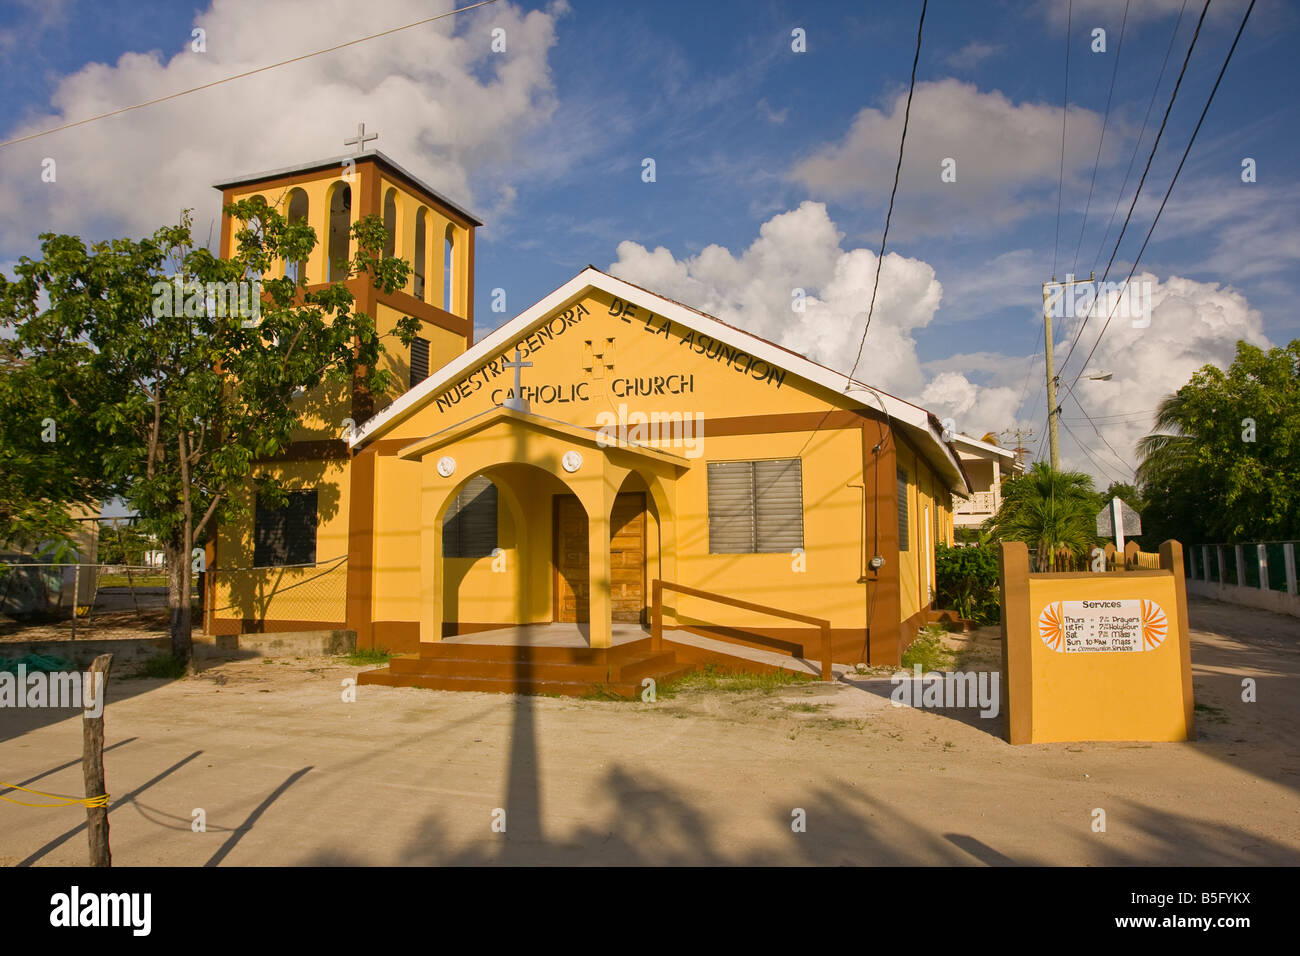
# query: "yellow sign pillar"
[[1096, 656]]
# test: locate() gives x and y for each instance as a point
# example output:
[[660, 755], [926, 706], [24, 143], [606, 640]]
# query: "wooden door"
[[627, 557], [626, 554], [572, 568]]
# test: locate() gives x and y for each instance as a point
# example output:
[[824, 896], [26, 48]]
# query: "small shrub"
[[710, 677], [928, 650], [966, 580], [163, 666], [369, 655]]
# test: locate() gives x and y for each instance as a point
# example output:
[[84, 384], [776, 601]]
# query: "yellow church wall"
[[444, 345], [396, 562], [314, 594], [916, 565], [908, 584], [823, 581]]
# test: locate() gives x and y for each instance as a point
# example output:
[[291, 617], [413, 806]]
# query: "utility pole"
[[1020, 449], [1054, 410]]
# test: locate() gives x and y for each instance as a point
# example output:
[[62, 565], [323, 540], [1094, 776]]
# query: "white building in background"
[[986, 465]]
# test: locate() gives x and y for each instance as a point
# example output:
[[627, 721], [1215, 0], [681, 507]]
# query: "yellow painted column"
[[434, 490], [601, 607], [667, 505], [596, 485]]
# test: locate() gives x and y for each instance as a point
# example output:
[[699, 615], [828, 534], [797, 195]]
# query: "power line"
[[1119, 49], [1028, 372], [1120, 417], [1137, 143], [1219, 79], [1150, 158], [1065, 111], [240, 76], [1103, 438], [880, 260], [1091, 456]]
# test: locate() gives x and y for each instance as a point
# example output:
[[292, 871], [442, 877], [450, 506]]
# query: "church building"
[[605, 444]]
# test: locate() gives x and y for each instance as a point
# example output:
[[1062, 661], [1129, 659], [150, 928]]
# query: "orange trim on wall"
[[884, 603], [234, 625], [361, 547]]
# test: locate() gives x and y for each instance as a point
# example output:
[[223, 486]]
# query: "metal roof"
[[373, 154]]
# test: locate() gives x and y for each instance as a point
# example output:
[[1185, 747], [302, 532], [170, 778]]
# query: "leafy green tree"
[[1053, 512], [38, 489], [167, 394], [966, 580], [1131, 496], [123, 543], [1223, 464], [1125, 492]]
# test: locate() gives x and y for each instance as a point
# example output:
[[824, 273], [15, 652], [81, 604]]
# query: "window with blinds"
[[285, 535], [755, 506], [904, 530], [469, 529], [419, 361]]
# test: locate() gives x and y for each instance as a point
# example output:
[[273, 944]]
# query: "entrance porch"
[[578, 524], [557, 659]]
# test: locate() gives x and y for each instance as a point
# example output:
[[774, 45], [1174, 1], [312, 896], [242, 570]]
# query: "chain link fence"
[[291, 592]]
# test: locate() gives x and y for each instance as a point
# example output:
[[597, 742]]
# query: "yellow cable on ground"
[[100, 801]]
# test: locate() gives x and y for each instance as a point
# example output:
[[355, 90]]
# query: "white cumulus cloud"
[[801, 250], [1191, 323], [1007, 157], [443, 103]]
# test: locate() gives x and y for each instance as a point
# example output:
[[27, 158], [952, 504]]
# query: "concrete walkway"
[[284, 768]]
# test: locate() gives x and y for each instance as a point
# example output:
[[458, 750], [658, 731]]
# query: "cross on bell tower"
[[517, 400], [360, 140]]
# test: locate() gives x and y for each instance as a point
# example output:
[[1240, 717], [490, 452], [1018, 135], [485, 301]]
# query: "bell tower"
[[428, 230]]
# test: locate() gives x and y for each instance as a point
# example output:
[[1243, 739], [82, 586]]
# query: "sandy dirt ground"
[[283, 771]]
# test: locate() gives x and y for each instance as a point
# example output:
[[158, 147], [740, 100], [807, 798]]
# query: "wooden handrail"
[[657, 588]]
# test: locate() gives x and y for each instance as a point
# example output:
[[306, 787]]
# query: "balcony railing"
[[980, 503]]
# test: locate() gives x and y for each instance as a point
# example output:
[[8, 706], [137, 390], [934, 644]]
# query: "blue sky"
[[749, 139]]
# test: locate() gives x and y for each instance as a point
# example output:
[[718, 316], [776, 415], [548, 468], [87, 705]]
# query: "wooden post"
[[827, 674], [1131, 556], [95, 696], [76, 587]]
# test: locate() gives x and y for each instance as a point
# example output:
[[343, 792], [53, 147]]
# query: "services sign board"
[[1081, 627]]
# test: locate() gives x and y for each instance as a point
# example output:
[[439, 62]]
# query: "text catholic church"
[[605, 439]]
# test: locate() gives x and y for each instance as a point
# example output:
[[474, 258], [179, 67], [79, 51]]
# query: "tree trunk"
[[178, 600]]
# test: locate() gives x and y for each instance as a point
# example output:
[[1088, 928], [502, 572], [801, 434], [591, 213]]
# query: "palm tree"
[[1054, 512], [1169, 451]]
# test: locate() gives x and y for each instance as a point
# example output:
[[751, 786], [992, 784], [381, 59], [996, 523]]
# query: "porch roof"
[[500, 413]]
